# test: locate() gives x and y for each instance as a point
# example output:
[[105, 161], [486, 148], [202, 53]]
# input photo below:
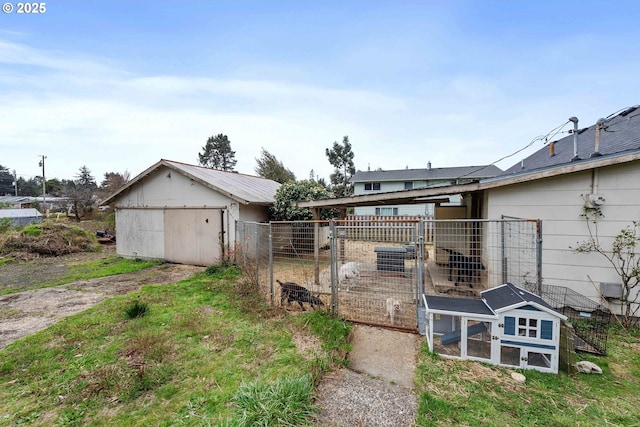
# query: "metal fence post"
[[539, 254], [421, 259], [271, 264], [332, 262]]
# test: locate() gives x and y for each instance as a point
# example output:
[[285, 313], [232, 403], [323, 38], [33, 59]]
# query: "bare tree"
[[622, 256], [81, 193]]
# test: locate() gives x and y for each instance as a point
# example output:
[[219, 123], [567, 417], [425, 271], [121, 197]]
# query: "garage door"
[[192, 236]]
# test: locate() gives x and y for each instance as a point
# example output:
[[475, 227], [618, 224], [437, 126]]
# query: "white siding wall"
[[140, 216], [166, 187], [140, 233], [558, 203]]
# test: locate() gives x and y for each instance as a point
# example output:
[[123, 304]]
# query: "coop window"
[[369, 186], [528, 327]]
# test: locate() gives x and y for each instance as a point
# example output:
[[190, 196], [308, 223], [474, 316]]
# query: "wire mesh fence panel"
[[468, 256], [376, 272], [589, 319], [300, 255], [252, 252]]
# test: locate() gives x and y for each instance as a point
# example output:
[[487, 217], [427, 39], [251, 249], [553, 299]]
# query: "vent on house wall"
[[611, 290]]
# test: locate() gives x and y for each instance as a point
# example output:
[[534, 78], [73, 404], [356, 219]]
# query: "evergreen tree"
[[271, 168], [341, 158], [6, 182], [217, 154]]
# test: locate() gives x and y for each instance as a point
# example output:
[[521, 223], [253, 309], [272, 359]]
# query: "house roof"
[[19, 213], [620, 134], [17, 199], [428, 174], [244, 189], [619, 143]]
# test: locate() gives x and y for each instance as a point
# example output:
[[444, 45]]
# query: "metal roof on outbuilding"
[[245, 189], [20, 213]]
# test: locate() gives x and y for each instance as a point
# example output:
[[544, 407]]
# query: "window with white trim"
[[371, 186]]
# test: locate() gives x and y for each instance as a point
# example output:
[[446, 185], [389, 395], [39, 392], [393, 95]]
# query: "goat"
[[349, 273], [393, 308], [466, 267], [294, 292]]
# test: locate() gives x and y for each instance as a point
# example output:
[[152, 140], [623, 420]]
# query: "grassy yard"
[[201, 354], [473, 394]]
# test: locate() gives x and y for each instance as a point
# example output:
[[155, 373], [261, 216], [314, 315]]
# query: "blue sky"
[[118, 85]]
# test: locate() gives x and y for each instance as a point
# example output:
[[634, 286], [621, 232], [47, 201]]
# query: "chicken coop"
[[508, 326]]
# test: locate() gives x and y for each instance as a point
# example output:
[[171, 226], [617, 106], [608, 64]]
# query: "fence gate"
[[376, 272]]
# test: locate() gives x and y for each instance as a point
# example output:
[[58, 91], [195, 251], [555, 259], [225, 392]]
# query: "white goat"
[[349, 274]]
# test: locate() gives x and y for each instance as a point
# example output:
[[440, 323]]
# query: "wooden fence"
[[383, 228]]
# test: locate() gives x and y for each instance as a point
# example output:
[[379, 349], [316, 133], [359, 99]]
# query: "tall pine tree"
[[341, 158], [217, 154]]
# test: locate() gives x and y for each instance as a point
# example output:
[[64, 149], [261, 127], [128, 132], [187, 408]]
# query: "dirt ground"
[[24, 313], [376, 389]]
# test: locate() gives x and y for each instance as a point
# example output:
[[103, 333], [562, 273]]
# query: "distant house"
[[185, 213], [380, 181], [18, 202], [20, 217], [596, 167]]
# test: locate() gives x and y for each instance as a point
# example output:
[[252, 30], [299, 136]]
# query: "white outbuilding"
[[185, 213]]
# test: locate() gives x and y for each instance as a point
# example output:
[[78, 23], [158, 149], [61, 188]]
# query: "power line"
[[549, 135]]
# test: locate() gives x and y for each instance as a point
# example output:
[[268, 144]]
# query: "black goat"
[[466, 267], [294, 292]]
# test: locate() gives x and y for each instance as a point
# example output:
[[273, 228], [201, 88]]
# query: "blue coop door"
[[546, 330], [509, 325]]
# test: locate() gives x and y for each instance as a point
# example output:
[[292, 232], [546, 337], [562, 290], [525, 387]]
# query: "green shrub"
[[137, 309]]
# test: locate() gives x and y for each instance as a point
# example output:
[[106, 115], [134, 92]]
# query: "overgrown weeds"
[[49, 239]]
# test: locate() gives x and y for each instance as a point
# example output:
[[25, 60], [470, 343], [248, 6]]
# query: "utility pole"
[[15, 181], [44, 188]]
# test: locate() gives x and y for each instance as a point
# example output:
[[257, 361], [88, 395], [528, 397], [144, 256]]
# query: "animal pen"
[[375, 270]]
